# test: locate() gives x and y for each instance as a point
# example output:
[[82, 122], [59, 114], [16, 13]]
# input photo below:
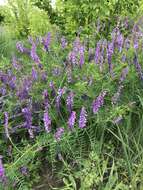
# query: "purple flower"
[[61, 91], [127, 43], [30, 131], [135, 28], [110, 51], [23, 91], [28, 117], [114, 33], [46, 41], [90, 55], [76, 45], [138, 67], [69, 76], [24, 170], [117, 120], [77, 51], [9, 73], [104, 44], [52, 87], [117, 94], [4, 78], [124, 58], [45, 94], [6, 124], [103, 47], [69, 101], [3, 91], [63, 42], [15, 63], [30, 39], [12, 82], [44, 76], [120, 41], [124, 74], [136, 44], [72, 57], [2, 171], [81, 54], [34, 74], [47, 122], [83, 118], [34, 55], [8, 79], [46, 99], [98, 102], [21, 48], [81, 61], [56, 71], [71, 120], [110, 48], [27, 82], [59, 133], [97, 52], [126, 23]]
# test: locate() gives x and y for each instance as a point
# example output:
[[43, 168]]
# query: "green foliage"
[[7, 44], [2, 15], [38, 22], [86, 13], [92, 174], [25, 19], [20, 16], [46, 5], [103, 156]]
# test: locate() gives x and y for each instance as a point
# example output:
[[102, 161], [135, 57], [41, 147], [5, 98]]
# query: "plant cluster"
[[59, 100]]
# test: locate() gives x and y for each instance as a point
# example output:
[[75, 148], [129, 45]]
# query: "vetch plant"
[[60, 99]]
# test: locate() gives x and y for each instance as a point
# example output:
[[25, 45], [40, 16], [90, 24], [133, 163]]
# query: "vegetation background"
[[71, 95]]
